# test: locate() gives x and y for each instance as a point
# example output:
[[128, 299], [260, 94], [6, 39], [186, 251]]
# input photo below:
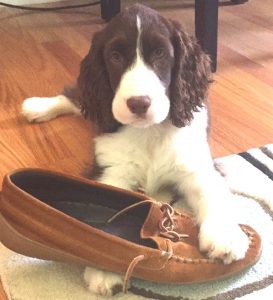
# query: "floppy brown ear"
[[191, 76], [95, 92]]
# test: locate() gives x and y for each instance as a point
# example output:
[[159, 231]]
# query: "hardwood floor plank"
[[256, 42], [65, 56], [233, 58]]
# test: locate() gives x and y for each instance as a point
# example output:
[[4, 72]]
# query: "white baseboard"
[[27, 2]]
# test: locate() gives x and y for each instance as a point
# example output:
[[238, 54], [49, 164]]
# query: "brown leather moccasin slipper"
[[59, 217]]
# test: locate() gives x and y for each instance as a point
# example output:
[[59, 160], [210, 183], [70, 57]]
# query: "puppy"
[[144, 86]]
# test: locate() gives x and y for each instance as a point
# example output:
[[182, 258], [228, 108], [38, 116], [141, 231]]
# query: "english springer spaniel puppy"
[[144, 85]]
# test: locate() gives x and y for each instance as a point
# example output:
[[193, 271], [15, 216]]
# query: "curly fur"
[[94, 87], [191, 77]]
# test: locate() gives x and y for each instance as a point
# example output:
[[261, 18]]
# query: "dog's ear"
[[95, 92], [191, 76]]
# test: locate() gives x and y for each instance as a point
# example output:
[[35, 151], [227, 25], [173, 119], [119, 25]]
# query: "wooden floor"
[[40, 52]]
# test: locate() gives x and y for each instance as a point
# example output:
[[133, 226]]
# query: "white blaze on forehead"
[[138, 23], [140, 80]]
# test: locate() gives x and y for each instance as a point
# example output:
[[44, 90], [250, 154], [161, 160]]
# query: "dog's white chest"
[[146, 156], [151, 157]]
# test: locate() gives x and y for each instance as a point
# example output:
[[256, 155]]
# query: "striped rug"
[[249, 176]]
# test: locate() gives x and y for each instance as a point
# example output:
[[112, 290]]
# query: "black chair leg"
[[109, 8], [206, 27], [238, 1]]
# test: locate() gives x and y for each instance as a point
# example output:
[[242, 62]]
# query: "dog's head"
[[142, 69]]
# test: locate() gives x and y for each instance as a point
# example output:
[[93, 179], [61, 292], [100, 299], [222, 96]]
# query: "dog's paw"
[[103, 283], [226, 242], [38, 109]]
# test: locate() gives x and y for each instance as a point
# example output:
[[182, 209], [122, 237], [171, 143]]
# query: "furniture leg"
[[109, 8], [206, 27]]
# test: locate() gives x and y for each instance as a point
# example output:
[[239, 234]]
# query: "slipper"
[[54, 216]]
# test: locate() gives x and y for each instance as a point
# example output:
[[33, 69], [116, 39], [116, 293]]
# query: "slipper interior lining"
[[92, 205]]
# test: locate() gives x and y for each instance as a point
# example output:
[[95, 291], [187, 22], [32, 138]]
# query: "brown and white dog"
[[144, 85]]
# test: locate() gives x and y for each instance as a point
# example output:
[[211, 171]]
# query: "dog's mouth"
[[139, 124], [142, 121]]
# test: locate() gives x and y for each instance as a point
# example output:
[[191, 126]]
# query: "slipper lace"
[[166, 229]]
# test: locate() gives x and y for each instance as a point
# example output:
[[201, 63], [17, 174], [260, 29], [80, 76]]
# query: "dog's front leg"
[[98, 281], [42, 109], [210, 199], [101, 282]]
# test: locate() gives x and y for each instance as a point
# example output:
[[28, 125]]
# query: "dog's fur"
[[144, 85]]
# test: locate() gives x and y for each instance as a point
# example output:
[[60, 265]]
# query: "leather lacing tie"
[[167, 230], [167, 225]]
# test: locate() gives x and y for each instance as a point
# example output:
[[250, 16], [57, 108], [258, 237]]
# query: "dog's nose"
[[139, 105]]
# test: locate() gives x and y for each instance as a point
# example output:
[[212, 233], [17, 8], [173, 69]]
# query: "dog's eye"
[[116, 56], [159, 53]]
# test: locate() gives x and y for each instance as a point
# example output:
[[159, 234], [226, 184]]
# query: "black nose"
[[139, 105]]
